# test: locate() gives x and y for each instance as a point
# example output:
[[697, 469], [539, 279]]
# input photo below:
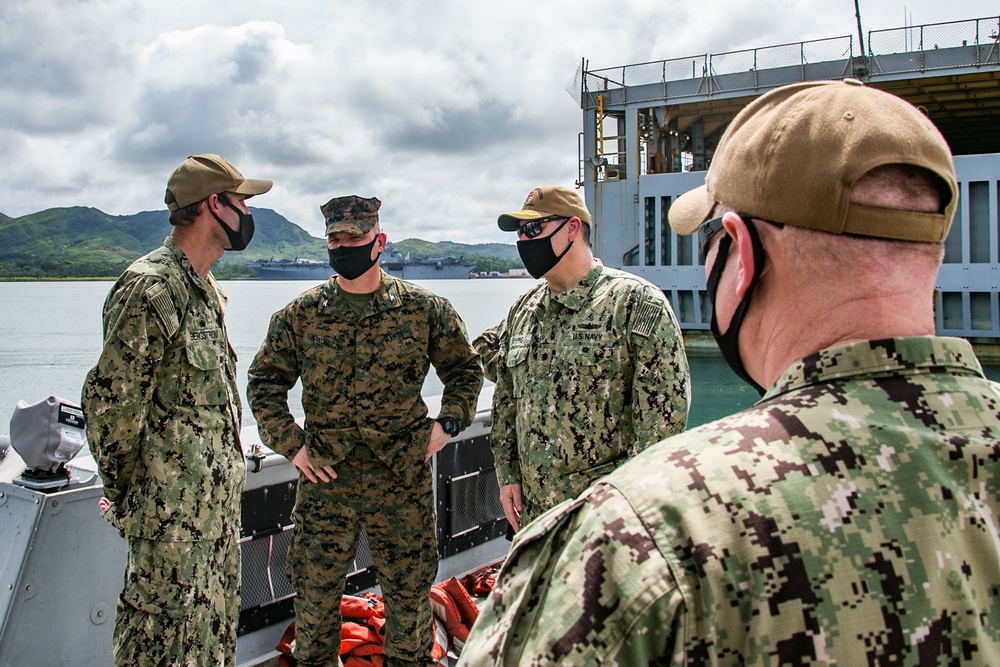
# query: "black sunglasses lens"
[[531, 229]]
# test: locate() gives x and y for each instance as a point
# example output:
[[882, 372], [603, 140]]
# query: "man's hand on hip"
[[437, 442], [321, 474]]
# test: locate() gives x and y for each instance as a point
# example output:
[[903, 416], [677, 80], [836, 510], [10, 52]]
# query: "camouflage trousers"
[[180, 604], [397, 513]]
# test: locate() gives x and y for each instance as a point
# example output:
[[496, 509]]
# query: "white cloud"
[[448, 111]]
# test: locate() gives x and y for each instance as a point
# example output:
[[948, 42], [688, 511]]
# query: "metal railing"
[[973, 42], [936, 46]]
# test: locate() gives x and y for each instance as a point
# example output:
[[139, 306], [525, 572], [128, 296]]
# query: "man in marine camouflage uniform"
[[163, 421], [362, 344], [851, 516], [487, 345], [589, 364]]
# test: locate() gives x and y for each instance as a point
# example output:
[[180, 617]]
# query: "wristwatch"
[[448, 425]]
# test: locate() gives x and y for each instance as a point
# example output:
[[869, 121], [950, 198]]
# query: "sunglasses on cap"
[[533, 228]]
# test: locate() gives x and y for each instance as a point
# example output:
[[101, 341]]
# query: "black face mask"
[[728, 342], [538, 255], [239, 239], [351, 262]]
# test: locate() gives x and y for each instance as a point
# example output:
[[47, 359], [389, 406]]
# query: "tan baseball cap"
[[793, 154], [202, 175], [545, 202]]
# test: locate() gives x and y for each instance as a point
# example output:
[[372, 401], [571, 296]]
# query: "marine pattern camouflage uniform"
[[163, 415], [849, 518], [586, 378], [361, 383], [487, 345]]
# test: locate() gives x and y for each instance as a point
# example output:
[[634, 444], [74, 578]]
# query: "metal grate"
[[474, 502], [363, 559], [262, 577]]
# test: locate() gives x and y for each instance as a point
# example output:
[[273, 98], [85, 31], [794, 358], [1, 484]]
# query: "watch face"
[[450, 426]]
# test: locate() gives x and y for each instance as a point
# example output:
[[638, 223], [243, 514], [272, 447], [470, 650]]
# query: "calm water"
[[50, 336], [50, 332]]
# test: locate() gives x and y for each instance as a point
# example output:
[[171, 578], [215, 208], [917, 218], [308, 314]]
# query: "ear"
[[743, 249], [213, 203], [575, 224]]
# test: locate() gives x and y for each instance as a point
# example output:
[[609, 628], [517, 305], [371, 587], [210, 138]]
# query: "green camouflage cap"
[[351, 214], [202, 175]]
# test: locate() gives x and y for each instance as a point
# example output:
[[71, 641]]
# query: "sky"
[[449, 112]]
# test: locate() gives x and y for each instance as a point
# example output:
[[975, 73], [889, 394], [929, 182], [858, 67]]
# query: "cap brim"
[[253, 186], [511, 222], [690, 210], [348, 227]]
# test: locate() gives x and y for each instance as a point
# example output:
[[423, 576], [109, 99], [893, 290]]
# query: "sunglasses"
[[708, 229], [534, 227], [706, 232]]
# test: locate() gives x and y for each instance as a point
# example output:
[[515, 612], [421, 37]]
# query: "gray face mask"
[[239, 239]]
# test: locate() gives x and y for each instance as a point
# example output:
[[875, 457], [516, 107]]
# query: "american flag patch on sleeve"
[[646, 318], [159, 297]]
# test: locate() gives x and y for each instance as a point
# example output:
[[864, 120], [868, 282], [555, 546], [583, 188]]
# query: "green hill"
[[81, 242]]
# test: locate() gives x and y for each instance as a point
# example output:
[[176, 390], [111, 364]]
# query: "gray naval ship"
[[62, 565], [392, 262]]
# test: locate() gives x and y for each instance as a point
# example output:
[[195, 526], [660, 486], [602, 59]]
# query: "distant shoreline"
[[65, 279]]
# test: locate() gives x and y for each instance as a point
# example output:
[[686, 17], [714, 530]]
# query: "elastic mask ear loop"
[[563, 254], [239, 239], [729, 341]]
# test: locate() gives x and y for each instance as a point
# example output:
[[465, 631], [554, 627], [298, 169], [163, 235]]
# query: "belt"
[[361, 453]]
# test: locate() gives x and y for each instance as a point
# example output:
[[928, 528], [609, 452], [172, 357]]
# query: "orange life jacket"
[[362, 633]]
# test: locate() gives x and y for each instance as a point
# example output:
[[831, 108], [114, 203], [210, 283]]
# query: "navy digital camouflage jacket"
[[162, 405], [851, 517]]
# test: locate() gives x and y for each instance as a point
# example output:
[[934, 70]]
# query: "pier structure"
[[650, 130]]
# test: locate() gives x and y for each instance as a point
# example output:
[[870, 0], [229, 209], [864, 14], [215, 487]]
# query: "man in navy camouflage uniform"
[[589, 364], [163, 421], [362, 344], [851, 516]]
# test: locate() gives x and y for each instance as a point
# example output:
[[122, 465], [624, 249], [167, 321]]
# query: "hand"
[[323, 474], [103, 504], [437, 441], [510, 498]]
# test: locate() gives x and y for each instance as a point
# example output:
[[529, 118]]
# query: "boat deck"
[[62, 565]]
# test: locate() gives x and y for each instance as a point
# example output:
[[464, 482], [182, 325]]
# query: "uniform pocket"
[[157, 598], [207, 385], [517, 367], [590, 357]]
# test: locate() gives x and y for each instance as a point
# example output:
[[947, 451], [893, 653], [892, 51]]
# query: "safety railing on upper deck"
[[972, 42], [938, 45]]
